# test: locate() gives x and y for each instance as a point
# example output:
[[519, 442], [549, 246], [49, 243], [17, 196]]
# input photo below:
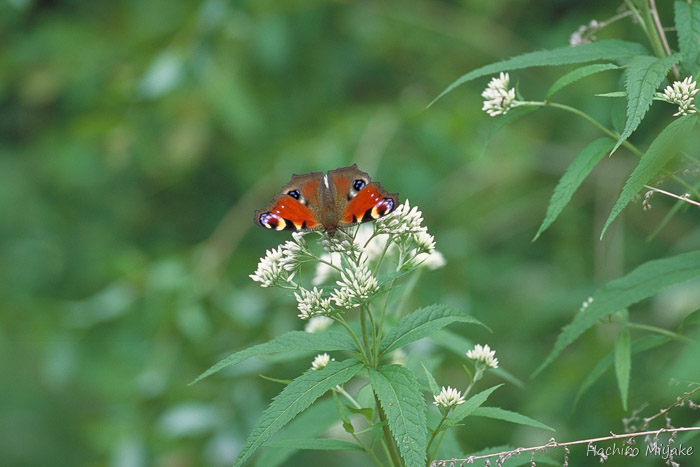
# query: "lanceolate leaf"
[[293, 340], [643, 77], [661, 150], [611, 50], [572, 179], [294, 398], [623, 364], [641, 283], [403, 404], [640, 345], [325, 444], [508, 416], [577, 74], [421, 323], [308, 424], [464, 410], [688, 26]]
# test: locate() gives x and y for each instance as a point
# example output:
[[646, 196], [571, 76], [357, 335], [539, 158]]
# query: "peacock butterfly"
[[313, 201]]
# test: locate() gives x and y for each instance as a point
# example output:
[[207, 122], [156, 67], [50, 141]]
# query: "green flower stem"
[[429, 454], [389, 440], [366, 349], [612, 134], [652, 31], [339, 319]]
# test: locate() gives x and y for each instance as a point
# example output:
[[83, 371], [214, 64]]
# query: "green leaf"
[[464, 410], [434, 388], [613, 94], [293, 399], [421, 323], [611, 50], [579, 169], [687, 18], [643, 282], [318, 444], [308, 424], [643, 77], [623, 364], [403, 404], [507, 415], [577, 74], [661, 150], [293, 340], [640, 345]]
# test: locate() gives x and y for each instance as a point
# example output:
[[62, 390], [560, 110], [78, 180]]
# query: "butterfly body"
[[314, 201]]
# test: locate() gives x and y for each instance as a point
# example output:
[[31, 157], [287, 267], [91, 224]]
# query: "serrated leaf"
[[623, 364], [643, 76], [643, 282], [308, 424], [512, 417], [434, 388], [293, 340], [687, 17], [318, 444], [577, 74], [462, 411], [403, 404], [605, 363], [293, 399], [578, 170], [661, 150], [610, 50], [421, 323]]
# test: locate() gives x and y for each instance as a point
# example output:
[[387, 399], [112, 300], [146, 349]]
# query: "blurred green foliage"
[[137, 138]]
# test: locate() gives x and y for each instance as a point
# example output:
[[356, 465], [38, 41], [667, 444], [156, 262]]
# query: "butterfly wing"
[[357, 198], [295, 207]]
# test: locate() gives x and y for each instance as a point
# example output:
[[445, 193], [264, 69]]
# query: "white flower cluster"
[[311, 303], [280, 264], [484, 355], [357, 284], [321, 361], [499, 99], [405, 229], [682, 93], [584, 34], [448, 397], [270, 269], [318, 324]]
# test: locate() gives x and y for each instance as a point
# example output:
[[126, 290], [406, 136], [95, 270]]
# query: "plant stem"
[[612, 134], [389, 440]]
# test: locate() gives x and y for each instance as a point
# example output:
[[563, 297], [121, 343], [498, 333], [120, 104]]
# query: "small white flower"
[[433, 260], [270, 268], [682, 93], [321, 361], [584, 34], [357, 284], [404, 220], [586, 303], [425, 242], [318, 324], [311, 303], [448, 397], [483, 354], [498, 98]]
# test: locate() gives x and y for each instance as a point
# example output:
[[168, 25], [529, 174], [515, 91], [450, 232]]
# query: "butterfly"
[[314, 201]]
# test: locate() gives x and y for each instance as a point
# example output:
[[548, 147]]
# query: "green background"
[[138, 137]]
